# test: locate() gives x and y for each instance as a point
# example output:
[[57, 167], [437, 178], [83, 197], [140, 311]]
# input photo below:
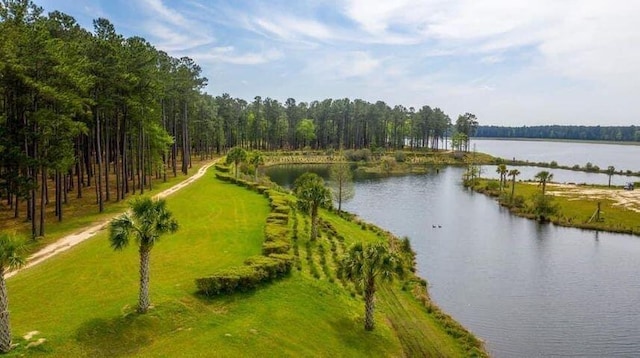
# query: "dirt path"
[[69, 241]]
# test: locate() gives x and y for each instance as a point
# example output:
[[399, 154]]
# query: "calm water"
[[622, 157], [561, 175], [526, 289]]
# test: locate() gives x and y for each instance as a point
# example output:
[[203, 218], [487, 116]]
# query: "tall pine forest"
[[94, 112]]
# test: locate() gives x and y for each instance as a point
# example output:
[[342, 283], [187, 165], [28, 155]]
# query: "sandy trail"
[[69, 241], [628, 199]]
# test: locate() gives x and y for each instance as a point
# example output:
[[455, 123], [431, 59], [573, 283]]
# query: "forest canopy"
[[606, 133], [93, 110]]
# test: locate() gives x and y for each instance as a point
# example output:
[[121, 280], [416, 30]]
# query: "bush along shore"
[[287, 230], [591, 207], [379, 160]]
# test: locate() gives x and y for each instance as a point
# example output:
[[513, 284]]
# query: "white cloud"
[[229, 54], [343, 65], [293, 28], [171, 29]]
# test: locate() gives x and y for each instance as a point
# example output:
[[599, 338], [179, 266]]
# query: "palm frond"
[[120, 231], [12, 251]]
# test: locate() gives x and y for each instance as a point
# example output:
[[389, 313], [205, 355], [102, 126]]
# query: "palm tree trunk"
[[143, 301], [513, 187], [369, 304], [5, 328]]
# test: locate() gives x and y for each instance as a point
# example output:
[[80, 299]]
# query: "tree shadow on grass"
[[116, 337], [351, 331]]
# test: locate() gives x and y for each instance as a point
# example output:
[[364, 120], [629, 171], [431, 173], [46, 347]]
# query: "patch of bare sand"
[[627, 199]]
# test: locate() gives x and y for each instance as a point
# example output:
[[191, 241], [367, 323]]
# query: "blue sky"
[[510, 62]]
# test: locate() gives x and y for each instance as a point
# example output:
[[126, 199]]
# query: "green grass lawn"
[[83, 301], [81, 213]]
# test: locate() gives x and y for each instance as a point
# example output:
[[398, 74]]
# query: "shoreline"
[[558, 140], [419, 284], [576, 205]]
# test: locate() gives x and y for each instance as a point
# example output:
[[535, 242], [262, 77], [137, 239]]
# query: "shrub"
[[492, 185], [358, 155], [274, 232], [222, 168], [241, 278], [275, 266], [275, 247], [387, 165], [400, 157], [278, 218]]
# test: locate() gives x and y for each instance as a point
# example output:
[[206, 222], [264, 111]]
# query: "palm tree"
[[610, 171], [236, 156], [366, 265], [256, 159], [12, 256], [543, 177], [513, 173], [148, 220], [311, 193], [502, 170]]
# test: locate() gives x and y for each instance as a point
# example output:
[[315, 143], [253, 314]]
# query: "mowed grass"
[[83, 212], [83, 301]]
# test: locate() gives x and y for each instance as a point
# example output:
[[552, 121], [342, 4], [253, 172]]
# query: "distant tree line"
[[95, 111], [605, 133]]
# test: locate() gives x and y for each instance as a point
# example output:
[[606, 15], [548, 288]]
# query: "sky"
[[509, 62]]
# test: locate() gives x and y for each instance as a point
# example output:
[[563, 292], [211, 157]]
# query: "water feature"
[[621, 156], [526, 289]]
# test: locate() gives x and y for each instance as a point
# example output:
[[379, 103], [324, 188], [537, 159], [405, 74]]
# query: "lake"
[[526, 289], [622, 157]]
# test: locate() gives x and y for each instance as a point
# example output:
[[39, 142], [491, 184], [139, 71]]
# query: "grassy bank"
[[575, 206], [383, 162], [82, 302]]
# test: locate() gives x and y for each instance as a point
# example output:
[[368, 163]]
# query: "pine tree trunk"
[[143, 301], [99, 161], [107, 160], [43, 200], [5, 328], [369, 304]]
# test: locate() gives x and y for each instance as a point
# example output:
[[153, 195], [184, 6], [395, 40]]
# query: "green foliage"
[[563, 132], [149, 219], [241, 278], [543, 178], [12, 252], [306, 130], [387, 165], [360, 155], [341, 183], [544, 207], [312, 194], [278, 218], [236, 156], [367, 264], [274, 265]]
